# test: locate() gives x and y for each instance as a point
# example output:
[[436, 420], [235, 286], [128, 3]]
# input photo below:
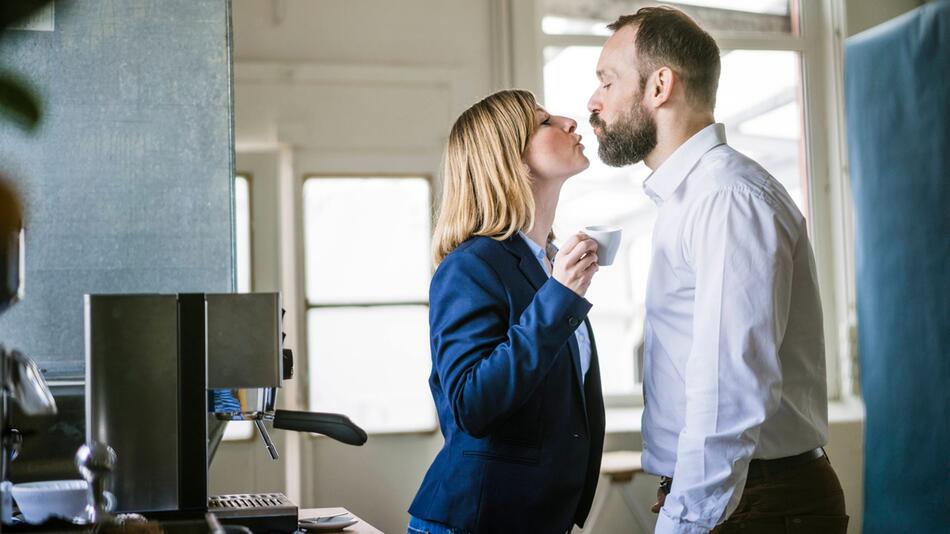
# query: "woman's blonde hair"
[[486, 186]]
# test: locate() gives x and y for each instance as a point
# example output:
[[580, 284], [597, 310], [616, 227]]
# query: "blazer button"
[[578, 435], [572, 321]]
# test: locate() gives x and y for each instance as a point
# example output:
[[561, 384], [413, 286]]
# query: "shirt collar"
[[536, 249], [661, 184]]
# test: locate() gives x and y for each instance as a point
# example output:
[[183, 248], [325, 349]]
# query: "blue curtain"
[[897, 100]]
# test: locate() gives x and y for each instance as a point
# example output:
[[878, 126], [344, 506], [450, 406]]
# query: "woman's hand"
[[576, 263]]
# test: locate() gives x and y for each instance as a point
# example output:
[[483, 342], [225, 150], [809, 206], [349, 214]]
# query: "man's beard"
[[629, 140]]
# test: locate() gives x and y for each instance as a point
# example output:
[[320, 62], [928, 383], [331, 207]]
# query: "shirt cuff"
[[667, 525]]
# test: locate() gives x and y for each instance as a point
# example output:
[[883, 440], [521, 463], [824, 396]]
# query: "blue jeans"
[[421, 526]]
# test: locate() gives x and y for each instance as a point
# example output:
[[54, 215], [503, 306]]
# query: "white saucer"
[[326, 524]]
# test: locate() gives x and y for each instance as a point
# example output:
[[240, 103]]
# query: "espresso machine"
[[165, 372]]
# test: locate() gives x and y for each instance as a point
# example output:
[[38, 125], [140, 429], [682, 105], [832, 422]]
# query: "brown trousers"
[[802, 499]]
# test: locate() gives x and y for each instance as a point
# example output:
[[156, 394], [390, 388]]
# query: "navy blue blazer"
[[523, 436]]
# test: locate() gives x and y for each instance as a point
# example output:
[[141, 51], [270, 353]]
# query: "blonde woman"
[[514, 365]]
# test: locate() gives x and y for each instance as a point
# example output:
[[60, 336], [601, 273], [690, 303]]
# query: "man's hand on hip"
[[666, 484]]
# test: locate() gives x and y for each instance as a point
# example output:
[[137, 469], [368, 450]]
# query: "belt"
[[760, 468]]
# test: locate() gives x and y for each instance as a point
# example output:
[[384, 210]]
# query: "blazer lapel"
[[527, 262], [593, 379], [593, 374], [535, 274], [578, 372]]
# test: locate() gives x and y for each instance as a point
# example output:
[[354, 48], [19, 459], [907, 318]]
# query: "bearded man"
[[735, 401]]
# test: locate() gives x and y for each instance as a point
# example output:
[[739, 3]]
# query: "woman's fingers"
[[569, 245], [587, 261], [576, 263], [585, 246]]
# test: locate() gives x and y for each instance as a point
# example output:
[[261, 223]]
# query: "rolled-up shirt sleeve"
[[742, 261]]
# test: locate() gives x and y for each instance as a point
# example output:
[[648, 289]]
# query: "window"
[[242, 232], [760, 100], [367, 276], [241, 430], [590, 17]]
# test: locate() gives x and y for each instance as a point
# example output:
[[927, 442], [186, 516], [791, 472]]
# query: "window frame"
[[244, 430], [307, 305], [819, 44]]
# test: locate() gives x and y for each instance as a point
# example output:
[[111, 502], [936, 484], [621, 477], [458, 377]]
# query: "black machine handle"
[[334, 425]]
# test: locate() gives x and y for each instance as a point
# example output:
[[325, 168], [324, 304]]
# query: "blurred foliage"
[[18, 100]]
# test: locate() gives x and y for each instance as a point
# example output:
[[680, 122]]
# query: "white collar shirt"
[[734, 361]]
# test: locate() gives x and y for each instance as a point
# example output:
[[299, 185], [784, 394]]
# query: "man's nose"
[[593, 105]]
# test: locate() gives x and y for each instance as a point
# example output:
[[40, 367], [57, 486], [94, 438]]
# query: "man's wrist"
[[666, 484]]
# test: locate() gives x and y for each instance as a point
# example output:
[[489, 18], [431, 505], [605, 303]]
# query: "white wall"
[[372, 86], [864, 14]]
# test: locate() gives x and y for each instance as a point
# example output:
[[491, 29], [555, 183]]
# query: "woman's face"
[[554, 151]]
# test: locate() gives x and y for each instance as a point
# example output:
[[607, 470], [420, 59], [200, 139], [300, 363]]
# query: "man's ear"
[[659, 88]]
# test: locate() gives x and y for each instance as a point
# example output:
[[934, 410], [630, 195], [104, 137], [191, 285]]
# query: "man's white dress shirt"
[[734, 360]]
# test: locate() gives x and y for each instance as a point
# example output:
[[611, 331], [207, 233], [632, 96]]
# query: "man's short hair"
[[668, 37]]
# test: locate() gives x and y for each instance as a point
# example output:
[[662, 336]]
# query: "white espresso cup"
[[608, 241]]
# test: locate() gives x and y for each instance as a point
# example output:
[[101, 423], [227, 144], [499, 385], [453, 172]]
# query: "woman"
[[514, 366]]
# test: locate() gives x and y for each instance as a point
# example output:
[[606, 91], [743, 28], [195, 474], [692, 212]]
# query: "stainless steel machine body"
[[164, 372], [150, 362]]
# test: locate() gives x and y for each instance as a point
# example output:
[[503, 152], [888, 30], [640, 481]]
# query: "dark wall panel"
[[127, 182]]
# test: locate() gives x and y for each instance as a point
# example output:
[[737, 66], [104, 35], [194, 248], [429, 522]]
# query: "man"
[[734, 368]]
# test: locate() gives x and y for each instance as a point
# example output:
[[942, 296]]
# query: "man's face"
[[623, 124]]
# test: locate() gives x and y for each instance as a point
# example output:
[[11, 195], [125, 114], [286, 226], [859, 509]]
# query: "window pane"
[[768, 7], [590, 17], [242, 230], [372, 364], [554, 25], [367, 240], [759, 102]]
